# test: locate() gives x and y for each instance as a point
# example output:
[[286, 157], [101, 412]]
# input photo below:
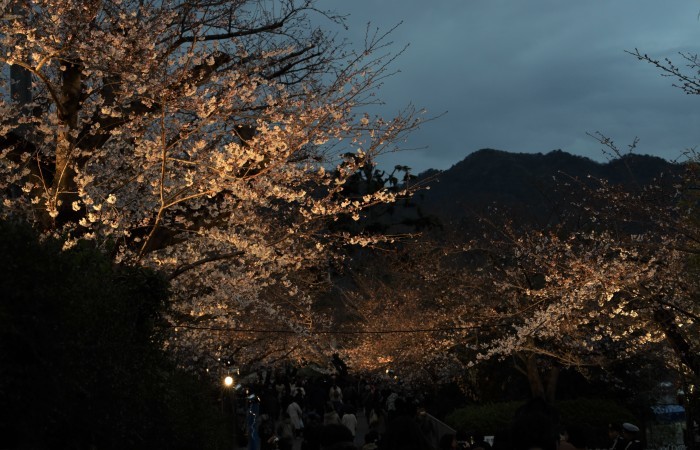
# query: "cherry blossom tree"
[[609, 281], [666, 212], [208, 139], [397, 313], [578, 300], [615, 277]]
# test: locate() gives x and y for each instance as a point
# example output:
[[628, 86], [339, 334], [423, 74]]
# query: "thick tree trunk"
[[63, 186], [552, 380], [534, 377], [667, 321], [538, 388]]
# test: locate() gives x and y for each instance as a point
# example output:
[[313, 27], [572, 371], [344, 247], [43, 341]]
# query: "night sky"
[[534, 76]]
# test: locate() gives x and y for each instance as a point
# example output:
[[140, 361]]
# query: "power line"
[[285, 331]]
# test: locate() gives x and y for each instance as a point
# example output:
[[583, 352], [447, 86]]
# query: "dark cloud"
[[534, 76]]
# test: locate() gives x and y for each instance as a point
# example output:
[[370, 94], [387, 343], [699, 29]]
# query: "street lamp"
[[228, 382]]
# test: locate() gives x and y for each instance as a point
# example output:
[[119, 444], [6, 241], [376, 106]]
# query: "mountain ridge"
[[525, 182]]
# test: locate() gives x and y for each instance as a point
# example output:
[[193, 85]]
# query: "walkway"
[[362, 428], [359, 433]]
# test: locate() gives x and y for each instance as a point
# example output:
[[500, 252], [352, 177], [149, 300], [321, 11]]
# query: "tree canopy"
[[612, 279], [209, 140]]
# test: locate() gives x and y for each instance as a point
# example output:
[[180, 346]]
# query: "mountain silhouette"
[[525, 183]]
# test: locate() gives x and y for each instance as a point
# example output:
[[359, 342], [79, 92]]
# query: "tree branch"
[[184, 268], [234, 34]]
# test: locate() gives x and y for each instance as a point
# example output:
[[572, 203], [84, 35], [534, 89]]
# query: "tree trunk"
[[538, 388], [63, 185], [552, 379], [534, 377], [667, 321]]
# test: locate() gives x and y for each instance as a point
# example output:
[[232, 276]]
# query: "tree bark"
[[538, 388], [534, 377], [552, 380], [667, 321], [63, 184]]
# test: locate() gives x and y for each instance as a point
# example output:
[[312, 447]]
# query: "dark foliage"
[[589, 416], [82, 365]]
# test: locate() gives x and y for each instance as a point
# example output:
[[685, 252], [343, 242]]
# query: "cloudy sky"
[[535, 75]]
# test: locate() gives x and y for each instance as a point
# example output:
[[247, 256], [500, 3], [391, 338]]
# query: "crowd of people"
[[290, 412], [321, 413]]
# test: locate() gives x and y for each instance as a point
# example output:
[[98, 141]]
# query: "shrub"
[[82, 360], [585, 416]]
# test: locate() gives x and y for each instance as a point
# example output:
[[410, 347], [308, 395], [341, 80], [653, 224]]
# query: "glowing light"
[[228, 381]]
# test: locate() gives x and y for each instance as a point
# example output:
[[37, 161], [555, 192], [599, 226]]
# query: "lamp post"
[[228, 383]]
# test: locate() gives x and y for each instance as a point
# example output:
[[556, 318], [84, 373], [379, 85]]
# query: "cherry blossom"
[[208, 140]]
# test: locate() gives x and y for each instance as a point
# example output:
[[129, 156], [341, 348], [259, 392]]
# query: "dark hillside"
[[526, 184]]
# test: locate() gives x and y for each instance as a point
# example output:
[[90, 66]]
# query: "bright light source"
[[228, 381]]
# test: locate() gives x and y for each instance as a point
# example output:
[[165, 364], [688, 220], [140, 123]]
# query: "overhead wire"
[[287, 331]]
